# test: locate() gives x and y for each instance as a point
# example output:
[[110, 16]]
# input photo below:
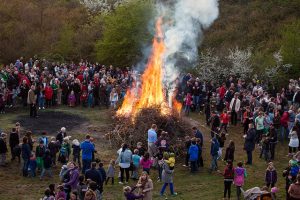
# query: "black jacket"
[[26, 151], [13, 139], [250, 140], [3, 146], [94, 175]]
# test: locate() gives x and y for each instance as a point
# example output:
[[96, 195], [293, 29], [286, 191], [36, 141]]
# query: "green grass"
[[197, 186]]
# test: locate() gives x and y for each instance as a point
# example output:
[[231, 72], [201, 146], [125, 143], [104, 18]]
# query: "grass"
[[197, 186]]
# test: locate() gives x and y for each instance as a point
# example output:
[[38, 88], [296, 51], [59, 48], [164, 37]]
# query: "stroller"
[[256, 194]]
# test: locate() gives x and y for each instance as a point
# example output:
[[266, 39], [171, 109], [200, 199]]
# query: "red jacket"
[[48, 93], [222, 92], [224, 118], [284, 120]]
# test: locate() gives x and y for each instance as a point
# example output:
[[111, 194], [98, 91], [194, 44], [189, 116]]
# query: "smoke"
[[184, 31]]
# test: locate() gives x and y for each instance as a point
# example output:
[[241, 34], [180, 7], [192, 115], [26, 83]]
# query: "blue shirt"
[[152, 136], [136, 160], [87, 150]]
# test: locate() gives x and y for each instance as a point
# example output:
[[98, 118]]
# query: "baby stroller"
[[256, 194]]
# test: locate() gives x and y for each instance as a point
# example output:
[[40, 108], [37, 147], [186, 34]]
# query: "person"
[[129, 193], [94, 175], [193, 152], [90, 195], [52, 189], [39, 153], [171, 161], [48, 195], [124, 160], [271, 175], [188, 143], [64, 151], [3, 149], [235, 105], [53, 147], [110, 172], [294, 189], [81, 188], [224, 117], [145, 186], [246, 119], [102, 171], [32, 165], [198, 134], [94, 187], [87, 152], [31, 100], [44, 138], [76, 152], [60, 193], [294, 141], [188, 104], [47, 164], [214, 149], [167, 177], [273, 141], [74, 176], [152, 138], [228, 179], [215, 123], [259, 126], [146, 162], [71, 99], [74, 196], [61, 135], [200, 158], [13, 142], [240, 174], [113, 98], [249, 144], [229, 155], [25, 156], [136, 164]]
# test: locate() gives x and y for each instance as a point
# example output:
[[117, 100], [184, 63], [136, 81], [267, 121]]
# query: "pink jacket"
[[146, 164]]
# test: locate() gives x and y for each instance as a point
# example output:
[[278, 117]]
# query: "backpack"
[[294, 170], [229, 173]]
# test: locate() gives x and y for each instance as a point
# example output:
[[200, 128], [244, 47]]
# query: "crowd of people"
[[267, 116]]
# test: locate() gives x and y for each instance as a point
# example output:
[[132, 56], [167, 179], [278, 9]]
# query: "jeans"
[[159, 169], [290, 126], [187, 109], [233, 118], [196, 102], [86, 164], [214, 163], [194, 167], [164, 188], [2, 158], [49, 171], [76, 158], [284, 132], [41, 102], [25, 167], [249, 157]]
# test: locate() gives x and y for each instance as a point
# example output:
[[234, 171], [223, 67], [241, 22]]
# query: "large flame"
[[151, 93]]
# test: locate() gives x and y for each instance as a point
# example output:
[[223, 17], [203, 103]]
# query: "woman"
[[124, 160], [229, 155], [90, 195], [294, 189], [74, 176], [294, 141], [167, 177], [145, 186], [26, 156]]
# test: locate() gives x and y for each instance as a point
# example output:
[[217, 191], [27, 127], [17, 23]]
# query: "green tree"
[[125, 31], [291, 47], [64, 46]]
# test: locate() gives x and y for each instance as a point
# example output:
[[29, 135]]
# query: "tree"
[[125, 33]]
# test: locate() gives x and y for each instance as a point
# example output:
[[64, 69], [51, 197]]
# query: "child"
[[239, 178], [188, 103], [271, 175], [160, 163], [61, 193], [48, 195], [76, 152], [110, 172], [81, 188], [193, 152], [136, 164], [228, 179], [71, 99], [47, 160], [42, 100], [113, 98], [141, 149], [32, 165], [146, 162], [90, 100], [39, 153], [265, 147], [171, 161], [294, 141], [221, 139], [129, 193], [64, 151], [224, 117], [52, 189]]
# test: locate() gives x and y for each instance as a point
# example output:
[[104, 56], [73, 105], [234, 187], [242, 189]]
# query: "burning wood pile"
[[147, 104]]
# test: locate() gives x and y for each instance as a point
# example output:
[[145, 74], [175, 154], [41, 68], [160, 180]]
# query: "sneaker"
[[184, 165], [121, 183], [43, 108], [174, 194], [39, 108]]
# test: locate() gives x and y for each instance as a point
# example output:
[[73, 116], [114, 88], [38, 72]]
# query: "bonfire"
[[147, 104]]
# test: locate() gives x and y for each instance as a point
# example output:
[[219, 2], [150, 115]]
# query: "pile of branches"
[[130, 131]]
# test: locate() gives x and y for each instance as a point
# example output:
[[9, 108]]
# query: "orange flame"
[[152, 91]]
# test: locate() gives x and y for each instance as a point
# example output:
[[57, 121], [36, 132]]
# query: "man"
[[198, 134], [235, 105], [215, 123], [250, 143], [87, 148], [94, 175], [214, 149], [3, 149], [152, 138], [13, 142], [31, 100]]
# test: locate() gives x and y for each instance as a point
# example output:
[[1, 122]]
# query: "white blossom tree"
[[102, 5], [273, 71], [240, 61]]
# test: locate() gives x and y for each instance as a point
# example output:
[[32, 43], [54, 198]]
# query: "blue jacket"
[[87, 150], [198, 134], [193, 151], [26, 151], [214, 148]]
